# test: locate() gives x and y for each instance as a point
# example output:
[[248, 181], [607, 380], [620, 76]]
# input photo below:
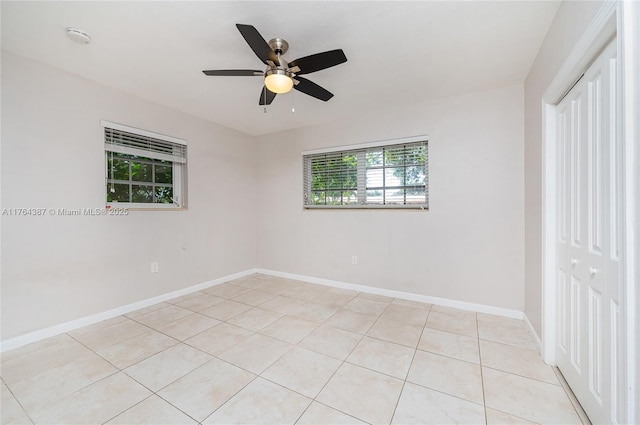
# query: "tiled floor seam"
[[330, 407], [128, 339], [167, 401], [523, 376], [331, 377], [118, 370], [303, 412], [484, 398], [68, 395], [447, 394], [404, 382], [17, 401], [229, 399], [511, 414], [151, 390]]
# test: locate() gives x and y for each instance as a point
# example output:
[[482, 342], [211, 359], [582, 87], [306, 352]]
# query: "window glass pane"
[[373, 158], [334, 173], [117, 192], [318, 182], [164, 174], [164, 194], [119, 169], [415, 155], [350, 179], [350, 197], [318, 165], [394, 156], [374, 197], [334, 181], [394, 177], [141, 193], [318, 198], [334, 198], [415, 175], [374, 177], [349, 162], [416, 195], [394, 196], [141, 171]]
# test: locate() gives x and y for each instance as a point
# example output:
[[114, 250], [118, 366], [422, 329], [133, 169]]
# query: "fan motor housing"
[[279, 45]]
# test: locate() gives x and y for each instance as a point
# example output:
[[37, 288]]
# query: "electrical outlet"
[[354, 259], [155, 267]]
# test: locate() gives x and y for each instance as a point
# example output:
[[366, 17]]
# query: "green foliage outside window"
[[390, 175], [137, 179], [334, 180]]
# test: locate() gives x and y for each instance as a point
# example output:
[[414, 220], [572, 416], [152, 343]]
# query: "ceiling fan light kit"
[[278, 80], [280, 76]]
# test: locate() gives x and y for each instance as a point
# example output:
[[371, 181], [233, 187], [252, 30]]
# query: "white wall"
[[468, 247], [56, 269], [570, 22]]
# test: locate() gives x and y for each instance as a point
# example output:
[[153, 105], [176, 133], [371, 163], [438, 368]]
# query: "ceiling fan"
[[281, 76]]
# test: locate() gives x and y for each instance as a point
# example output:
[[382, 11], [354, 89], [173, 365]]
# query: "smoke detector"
[[78, 36]]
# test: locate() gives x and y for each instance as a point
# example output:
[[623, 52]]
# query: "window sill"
[[144, 207], [367, 207]]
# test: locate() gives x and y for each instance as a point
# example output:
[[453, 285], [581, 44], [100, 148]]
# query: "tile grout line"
[[415, 351], [138, 382], [343, 361], [275, 361], [17, 401], [229, 399], [259, 375], [521, 376], [156, 392], [337, 410], [484, 397]]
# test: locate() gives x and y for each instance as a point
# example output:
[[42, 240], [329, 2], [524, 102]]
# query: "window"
[[393, 175], [144, 169]]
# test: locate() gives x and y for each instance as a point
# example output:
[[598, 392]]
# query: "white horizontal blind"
[[124, 142], [387, 176]]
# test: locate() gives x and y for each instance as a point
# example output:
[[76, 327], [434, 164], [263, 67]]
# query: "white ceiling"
[[398, 52]]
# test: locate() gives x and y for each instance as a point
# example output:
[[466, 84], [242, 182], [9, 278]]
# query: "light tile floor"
[[269, 350]]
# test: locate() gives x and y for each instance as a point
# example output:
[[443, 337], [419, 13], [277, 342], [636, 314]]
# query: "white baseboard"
[[21, 340], [534, 334], [41, 334], [479, 308]]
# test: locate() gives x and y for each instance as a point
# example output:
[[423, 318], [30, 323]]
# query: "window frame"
[[360, 151], [179, 169]]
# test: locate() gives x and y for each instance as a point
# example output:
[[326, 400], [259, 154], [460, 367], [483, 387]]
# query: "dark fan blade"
[[312, 89], [266, 96], [319, 61], [257, 43], [233, 72]]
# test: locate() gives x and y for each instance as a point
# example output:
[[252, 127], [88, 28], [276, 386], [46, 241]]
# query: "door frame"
[[614, 19]]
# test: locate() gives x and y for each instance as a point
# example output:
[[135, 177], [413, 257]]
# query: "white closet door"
[[588, 239]]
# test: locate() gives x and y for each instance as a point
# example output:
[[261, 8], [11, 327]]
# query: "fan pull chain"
[[293, 101], [264, 93]]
